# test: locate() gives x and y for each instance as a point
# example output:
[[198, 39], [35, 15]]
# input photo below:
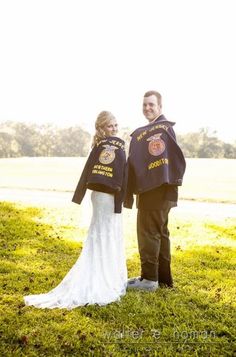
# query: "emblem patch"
[[108, 154], [156, 145]]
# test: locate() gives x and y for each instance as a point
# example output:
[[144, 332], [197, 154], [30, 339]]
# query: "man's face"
[[151, 109]]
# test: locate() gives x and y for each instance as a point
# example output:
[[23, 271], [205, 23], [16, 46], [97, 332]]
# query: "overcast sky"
[[65, 61]]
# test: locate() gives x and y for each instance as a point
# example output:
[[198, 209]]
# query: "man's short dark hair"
[[157, 95]]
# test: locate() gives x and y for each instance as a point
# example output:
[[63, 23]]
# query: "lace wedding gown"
[[99, 275]]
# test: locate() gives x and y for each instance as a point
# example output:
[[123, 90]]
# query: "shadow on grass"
[[32, 250], [35, 259], [228, 232]]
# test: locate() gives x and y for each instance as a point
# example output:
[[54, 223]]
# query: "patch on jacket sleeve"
[[156, 145], [108, 154]]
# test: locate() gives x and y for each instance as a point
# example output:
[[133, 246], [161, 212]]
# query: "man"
[[156, 166]]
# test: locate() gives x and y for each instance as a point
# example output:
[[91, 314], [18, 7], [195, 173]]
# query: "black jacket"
[[104, 171], [155, 159]]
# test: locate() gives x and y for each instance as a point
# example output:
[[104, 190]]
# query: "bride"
[[99, 276]]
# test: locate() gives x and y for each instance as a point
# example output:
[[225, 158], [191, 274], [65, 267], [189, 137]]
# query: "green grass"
[[196, 318]]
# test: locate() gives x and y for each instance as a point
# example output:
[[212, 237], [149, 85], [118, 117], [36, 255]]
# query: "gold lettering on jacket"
[[145, 132], [103, 170], [158, 163], [114, 142]]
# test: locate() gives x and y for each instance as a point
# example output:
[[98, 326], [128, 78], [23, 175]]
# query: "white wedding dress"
[[99, 276]]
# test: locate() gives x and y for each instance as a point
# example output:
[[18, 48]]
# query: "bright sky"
[[63, 61]]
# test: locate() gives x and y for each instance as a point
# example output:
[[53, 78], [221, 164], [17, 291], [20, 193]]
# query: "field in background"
[[40, 244], [205, 179]]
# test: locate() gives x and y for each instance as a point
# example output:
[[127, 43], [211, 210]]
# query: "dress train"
[[99, 276]]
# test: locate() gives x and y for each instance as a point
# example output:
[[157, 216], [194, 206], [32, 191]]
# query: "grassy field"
[[38, 246], [205, 179], [196, 318]]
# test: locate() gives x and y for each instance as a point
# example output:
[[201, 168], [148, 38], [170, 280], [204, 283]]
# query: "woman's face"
[[111, 128]]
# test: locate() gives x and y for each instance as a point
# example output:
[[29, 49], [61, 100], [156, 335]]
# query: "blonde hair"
[[103, 119]]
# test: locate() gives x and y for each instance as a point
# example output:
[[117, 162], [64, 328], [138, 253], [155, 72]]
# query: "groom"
[[156, 166]]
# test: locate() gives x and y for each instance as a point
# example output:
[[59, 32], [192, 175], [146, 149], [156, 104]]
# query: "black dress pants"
[[154, 245]]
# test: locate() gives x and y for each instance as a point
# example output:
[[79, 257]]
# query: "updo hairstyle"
[[102, 120]]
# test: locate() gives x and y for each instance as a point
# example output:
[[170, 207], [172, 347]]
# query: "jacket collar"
[[161, 119]]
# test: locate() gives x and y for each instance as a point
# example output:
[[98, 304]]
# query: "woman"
[[99, 276]]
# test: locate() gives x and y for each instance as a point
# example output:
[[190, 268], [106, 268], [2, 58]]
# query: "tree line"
[[204, 144], [20, 139]]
